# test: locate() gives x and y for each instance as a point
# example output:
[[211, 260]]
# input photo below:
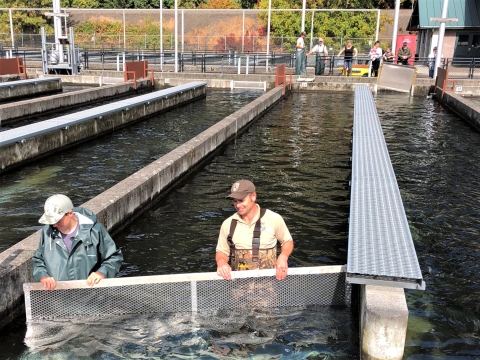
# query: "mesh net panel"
[[193, 292]]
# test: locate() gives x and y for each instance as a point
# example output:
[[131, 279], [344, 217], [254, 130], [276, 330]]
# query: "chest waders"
[[320, 62], [254, 258]]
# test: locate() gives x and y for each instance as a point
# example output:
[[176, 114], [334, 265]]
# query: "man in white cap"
[[321, 59], [248, 239], [73, 246]]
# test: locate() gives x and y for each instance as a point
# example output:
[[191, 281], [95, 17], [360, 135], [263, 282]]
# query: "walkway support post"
[[383, 322]]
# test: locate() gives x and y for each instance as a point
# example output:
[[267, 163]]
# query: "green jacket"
[[92, 250], [404, 52]]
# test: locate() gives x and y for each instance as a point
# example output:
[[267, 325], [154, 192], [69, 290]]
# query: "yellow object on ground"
[[357, 70]]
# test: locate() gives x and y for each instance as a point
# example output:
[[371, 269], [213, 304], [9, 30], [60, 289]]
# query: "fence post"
[[239, 65], [247, 63]]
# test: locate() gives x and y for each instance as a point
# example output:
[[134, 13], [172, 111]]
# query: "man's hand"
[[48, 282], [281, 266], [224, 270], [94, 278]]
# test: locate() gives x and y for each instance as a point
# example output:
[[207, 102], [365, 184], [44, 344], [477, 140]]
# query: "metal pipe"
[[183, 30], [124, 32], [176, 34], [243, 29], [311, 31], [304, 6], [11, 27], [441, 34], [268, 32], [161, 34], [395, 27]]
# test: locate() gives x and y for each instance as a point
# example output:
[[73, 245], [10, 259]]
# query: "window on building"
[[476, 40], [463, 40]]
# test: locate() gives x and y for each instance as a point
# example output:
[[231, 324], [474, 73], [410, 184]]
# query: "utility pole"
[[441, 34]]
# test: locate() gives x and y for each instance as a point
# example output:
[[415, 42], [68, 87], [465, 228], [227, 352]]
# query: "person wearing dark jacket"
[[404, 54], [73, 246]]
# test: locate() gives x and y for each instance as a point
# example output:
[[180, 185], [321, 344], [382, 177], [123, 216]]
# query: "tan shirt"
[[272, 229]]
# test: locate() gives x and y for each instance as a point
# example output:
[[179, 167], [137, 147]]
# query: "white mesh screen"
[[187, 292]]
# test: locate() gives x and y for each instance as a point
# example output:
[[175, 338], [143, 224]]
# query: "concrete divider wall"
[[465, 108], [119, 205], [16, 91], [18, 153], [6, 78], [20, 109], [383, 322]]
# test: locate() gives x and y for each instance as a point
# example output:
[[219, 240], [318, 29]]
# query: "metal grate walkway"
[[380, 246], [28, 131]]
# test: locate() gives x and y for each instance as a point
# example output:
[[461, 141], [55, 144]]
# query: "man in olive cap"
[[404, 54], [248, 239], [73, 246]]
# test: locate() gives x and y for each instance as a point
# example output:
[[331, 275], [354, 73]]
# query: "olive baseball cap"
[[55, 207], [240, 189]]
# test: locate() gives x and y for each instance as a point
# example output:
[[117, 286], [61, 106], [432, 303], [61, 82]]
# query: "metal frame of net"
[[323, 285]]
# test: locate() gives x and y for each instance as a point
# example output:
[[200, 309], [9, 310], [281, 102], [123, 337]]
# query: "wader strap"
[[256, 237], [255, 240], [233, 225]]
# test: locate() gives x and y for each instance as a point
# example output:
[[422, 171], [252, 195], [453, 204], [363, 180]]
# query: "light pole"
[[441, 34], [268, 32], [304, 6]]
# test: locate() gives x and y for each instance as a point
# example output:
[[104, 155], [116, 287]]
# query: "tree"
[[220, 4], [27, 21], [81, 4], [334, 26]]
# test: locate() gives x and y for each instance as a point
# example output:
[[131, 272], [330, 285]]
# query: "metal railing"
[[233, 62]]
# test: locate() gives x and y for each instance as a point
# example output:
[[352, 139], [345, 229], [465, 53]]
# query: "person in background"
[[349, 53], [431, 62], [248, 239], [321, 59], [73, 246], [375, 57], [300, 58], [404, 54], [388, 56]]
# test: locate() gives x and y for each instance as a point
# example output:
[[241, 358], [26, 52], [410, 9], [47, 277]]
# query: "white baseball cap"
[[55, 207]]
